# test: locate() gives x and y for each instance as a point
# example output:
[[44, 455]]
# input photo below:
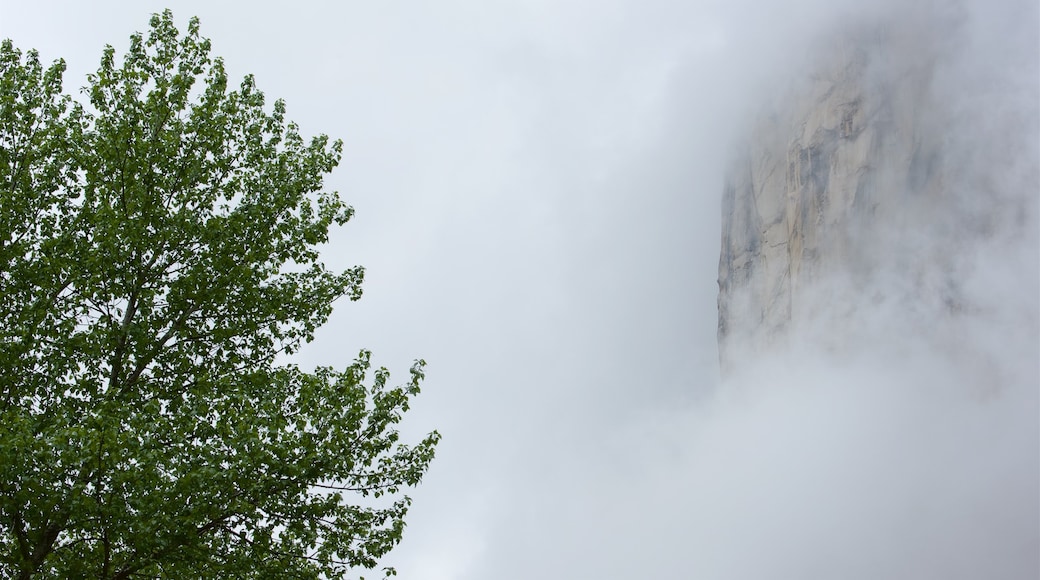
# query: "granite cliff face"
[[867, 168]]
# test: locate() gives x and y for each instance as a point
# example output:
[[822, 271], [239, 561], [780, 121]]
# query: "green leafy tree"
[[158, 256]]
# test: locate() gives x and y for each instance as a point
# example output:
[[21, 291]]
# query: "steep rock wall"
[[864, 169]]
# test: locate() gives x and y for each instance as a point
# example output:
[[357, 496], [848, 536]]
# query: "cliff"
[[869, 167]]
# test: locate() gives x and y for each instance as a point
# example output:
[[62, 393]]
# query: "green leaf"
[[159, 250]]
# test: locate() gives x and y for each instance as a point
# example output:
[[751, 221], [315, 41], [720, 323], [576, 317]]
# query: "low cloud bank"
[[895, 435]]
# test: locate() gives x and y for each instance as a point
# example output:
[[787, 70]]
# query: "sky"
[[537, 186]]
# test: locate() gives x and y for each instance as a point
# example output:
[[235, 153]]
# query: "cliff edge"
[[872, 180]]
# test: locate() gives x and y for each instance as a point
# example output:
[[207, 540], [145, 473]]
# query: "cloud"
[[909, 452]]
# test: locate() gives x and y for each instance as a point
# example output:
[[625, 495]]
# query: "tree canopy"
[[158, 259]]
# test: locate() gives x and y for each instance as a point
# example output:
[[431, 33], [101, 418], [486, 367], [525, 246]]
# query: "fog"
[[537, 188]]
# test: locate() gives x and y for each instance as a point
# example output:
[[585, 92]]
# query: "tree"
[[158, 258]]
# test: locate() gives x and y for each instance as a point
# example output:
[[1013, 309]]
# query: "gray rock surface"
[[867, 169]]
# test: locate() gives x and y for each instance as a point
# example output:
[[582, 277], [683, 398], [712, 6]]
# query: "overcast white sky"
[[537, 191]]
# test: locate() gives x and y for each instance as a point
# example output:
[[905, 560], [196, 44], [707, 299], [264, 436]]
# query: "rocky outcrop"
[[849, 177]]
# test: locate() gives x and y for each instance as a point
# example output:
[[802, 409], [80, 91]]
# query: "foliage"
[[158, 253]]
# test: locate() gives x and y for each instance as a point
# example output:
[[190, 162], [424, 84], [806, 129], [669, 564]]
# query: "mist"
[[538, 185], [886, 440]]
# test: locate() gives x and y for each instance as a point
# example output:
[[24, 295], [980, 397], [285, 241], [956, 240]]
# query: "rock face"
[[855, 175]]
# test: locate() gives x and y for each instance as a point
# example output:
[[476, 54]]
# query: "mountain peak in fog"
[[868, 188]]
